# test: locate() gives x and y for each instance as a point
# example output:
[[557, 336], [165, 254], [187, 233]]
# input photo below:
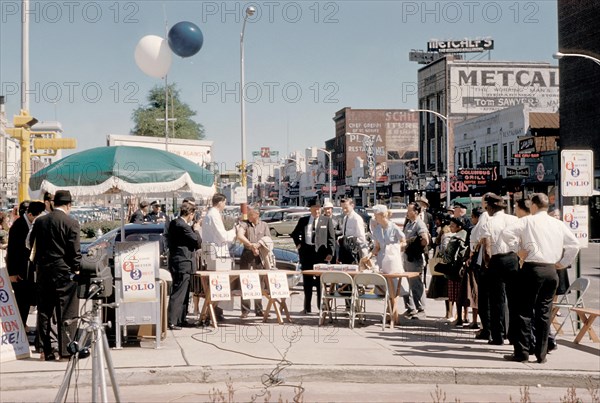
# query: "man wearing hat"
[[156, 214], [141, 215], [460, 210], [56, 252], [337, 225], [502, 273], [314, 239]]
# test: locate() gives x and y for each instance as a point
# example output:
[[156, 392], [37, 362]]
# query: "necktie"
[[314, 230]]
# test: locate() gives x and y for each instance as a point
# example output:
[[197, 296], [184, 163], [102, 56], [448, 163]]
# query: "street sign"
[[576, 218], [577, 172]]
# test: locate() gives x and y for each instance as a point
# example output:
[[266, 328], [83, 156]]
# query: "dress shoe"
[[473, 325], [174, 327], [515, 358], [482, 336], [496, 342], [220, 317], [457, 323], [305, 312], [188, 324], [244, 315], [541, 360], [552, 345], [85, 353], [260, 314]]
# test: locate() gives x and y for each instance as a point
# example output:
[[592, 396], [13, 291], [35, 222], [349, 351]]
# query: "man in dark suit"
[[17, 257], [314, 237], [183, 241], [55, 240], [141, 215]]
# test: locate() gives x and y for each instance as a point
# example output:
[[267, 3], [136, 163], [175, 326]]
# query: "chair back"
[[336, 277], [370, 279], [580, 285]]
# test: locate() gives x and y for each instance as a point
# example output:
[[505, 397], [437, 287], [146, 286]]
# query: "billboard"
[[461, 46], [396, 134], [479, 88]]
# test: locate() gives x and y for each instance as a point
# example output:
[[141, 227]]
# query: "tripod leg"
[[64, 386], [110, 367], [98, 376]]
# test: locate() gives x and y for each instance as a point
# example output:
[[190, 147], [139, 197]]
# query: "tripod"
[[94, 335]]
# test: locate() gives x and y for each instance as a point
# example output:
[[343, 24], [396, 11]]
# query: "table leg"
[[554, 321], [208, 307], [587, 327], [285, 310], [392, 306]]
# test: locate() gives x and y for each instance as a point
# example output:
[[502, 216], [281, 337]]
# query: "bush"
[[89, 228]]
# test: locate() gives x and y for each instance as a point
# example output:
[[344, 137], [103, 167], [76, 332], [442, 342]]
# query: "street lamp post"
[[445, 119], [369, 143], [560, 55], [244, 205], [329, 174]]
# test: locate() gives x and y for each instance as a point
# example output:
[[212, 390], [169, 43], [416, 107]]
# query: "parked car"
[[398, 217], [287, 224], [105, 245], [284, 260]]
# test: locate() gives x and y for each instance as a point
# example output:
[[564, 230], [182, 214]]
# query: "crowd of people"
[[506, 269]]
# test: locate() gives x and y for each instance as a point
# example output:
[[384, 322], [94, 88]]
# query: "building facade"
[[460, 90]]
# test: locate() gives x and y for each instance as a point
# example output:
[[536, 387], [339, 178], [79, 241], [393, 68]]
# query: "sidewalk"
[[428, 351]]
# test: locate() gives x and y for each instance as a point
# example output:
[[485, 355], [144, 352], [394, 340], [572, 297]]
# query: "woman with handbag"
[[452, 264]]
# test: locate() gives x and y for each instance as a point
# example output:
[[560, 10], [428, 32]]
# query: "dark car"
[[105, 245], [284, 260]]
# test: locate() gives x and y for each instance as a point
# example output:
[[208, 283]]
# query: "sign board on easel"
[[137, 289], [13, 338]]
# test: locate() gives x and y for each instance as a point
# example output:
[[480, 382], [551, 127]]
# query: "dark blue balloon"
[[185, 39]]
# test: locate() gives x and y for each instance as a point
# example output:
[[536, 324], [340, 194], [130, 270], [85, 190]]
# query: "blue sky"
[[337, 53]]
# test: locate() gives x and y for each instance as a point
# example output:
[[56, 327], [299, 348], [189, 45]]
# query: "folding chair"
[[379, 284], [581, 284], [330, 294]]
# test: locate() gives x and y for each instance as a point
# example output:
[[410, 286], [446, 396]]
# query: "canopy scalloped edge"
[[115, 185]]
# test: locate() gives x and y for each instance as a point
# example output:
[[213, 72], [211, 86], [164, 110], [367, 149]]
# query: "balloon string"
[[166, 21]]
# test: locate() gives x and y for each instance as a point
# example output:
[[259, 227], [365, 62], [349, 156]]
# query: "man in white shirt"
[[214, 232], [549, 246], [353, 242], [502, 270]]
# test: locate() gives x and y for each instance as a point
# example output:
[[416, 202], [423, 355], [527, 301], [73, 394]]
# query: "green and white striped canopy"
[[116, 169]]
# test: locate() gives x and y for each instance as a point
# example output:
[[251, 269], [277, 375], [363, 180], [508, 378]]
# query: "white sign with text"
[[278, 285], [220, 287], [576, 218], [139, 263], [250, 285], [577, 172], [13, 338]]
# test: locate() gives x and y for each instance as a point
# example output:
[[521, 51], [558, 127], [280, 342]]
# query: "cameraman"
[[417, 239]]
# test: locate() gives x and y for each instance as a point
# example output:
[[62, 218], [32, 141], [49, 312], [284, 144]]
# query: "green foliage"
[[89, 228], [144, 117]]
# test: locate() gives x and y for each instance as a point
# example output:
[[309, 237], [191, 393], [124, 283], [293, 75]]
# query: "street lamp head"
[[250, 10], [558, 55], [412, 110]]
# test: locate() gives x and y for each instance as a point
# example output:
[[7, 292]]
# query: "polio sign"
[[577, 172]]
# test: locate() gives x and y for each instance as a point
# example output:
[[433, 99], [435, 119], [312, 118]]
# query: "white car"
[[398, 216]]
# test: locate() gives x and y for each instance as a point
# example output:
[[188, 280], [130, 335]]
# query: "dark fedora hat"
[[62, 197], [314, 203]]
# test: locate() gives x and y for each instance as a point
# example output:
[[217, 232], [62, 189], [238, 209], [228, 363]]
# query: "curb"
[[311, 373]]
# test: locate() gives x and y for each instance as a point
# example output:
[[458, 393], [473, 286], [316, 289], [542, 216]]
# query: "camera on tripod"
[[96, 283]]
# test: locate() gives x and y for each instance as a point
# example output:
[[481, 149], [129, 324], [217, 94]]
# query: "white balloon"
[[153, 56]]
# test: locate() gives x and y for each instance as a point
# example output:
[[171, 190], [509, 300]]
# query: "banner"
[[250, 285], [577, 172], [13, 338]]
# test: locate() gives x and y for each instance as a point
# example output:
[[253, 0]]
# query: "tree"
[[184, 127]]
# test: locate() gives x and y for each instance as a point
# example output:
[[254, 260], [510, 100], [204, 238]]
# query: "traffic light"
[[22, 131]]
